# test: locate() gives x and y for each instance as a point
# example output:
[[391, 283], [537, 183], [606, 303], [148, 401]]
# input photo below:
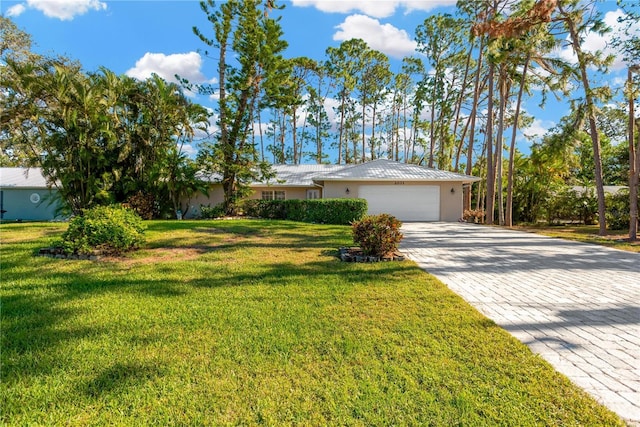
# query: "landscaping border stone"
[[355, 254], [59, 253]]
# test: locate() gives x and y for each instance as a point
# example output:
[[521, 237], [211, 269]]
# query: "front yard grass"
[[617, 239], [257, 322]]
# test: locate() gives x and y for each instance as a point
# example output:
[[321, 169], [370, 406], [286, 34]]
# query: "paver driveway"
[[575, 304]]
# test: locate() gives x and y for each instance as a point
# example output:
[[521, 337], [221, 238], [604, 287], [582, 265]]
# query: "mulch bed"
[[355, 254], [59, 253]]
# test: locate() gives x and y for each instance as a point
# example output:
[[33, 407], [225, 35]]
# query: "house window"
[[313, 194], [274, 195]]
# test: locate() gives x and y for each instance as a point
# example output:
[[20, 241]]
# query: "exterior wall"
[[290, 192], [215, 197], [450, 203], [18, 204]]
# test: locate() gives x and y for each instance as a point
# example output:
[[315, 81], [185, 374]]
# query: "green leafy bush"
[[110, 229], [209, 212], [270, 209], [570, 205], [617, 211], [377, 235], [320, 211], [335, 211]]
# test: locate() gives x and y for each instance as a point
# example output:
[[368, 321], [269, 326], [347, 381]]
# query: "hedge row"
[[321, 211]]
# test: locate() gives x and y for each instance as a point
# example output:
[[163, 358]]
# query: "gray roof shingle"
[[22, 178], [389, 170], [299, 175], [375, 170]]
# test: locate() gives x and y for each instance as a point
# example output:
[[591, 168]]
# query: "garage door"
[[405, 202]]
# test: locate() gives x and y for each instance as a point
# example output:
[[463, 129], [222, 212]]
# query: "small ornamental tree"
[[110, 229], [377, 235]]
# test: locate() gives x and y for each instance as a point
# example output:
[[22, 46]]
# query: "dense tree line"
[[456, 105], [98, 137]]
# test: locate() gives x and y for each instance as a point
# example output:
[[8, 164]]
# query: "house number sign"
[[398, 183]]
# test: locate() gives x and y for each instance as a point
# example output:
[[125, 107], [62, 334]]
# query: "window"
[[313, 194], [274, 195]]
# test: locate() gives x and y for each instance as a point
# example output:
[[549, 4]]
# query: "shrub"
[[111, 229], [321, 211], [335, 211], [569, 205], [377, 235], [617, 212], [475, 216], [270, 209], [208, 212]]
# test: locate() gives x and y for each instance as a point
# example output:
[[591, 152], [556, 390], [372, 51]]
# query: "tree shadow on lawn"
[[226, 234], [30, 329], [31, 322], [119, 377]]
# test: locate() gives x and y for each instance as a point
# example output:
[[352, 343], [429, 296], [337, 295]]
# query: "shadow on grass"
[[118, 378]]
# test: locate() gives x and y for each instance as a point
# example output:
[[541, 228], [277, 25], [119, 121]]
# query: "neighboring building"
[[409, 192], [608, 189], [25, 195]]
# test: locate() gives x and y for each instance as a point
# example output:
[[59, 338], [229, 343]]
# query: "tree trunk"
[[512, 147], [490, 204], [432, 129], [472, 118], [593, 127], [504, 93], [341, 130], [634, 161]]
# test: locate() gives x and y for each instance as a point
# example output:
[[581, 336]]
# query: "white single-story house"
[[409, 192], [26, 196]]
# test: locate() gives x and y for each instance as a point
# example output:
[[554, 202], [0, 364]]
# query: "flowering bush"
[[377, 235]]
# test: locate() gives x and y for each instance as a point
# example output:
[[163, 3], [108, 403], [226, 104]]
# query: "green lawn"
[[257, 322], [588, 234]]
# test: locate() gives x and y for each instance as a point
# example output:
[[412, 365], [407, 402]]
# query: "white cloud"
[[383, 37], [65, 10], [594, 42], [186, 65], [538, 128], [16, 10], [189, 150], [377, 9]]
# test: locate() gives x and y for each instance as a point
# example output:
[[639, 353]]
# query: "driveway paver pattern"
[[575, 304]]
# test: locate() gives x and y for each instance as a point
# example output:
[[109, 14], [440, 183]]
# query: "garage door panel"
[[407, 203]]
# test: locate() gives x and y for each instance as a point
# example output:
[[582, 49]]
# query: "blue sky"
[[141, 37]]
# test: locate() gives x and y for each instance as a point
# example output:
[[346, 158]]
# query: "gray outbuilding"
[[25, 195]]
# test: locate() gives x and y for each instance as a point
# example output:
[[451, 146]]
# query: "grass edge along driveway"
[[257, 323]]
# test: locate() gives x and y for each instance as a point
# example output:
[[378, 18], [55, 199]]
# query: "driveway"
[[575, 304]]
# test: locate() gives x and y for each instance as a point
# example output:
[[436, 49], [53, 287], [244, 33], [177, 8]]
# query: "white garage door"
[[405, 202]]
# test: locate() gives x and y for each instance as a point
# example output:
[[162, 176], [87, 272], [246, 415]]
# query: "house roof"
[[299, 175], [389, 170], [375, 170], [22, 178]]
